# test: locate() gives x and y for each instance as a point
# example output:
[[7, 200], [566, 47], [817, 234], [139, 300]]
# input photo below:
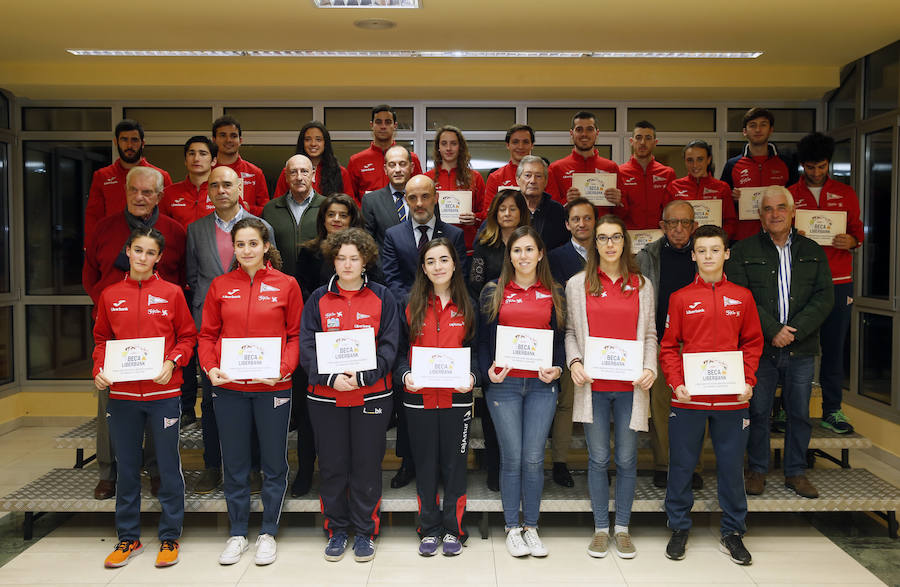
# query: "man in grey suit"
[[387, 207], [209, 254]]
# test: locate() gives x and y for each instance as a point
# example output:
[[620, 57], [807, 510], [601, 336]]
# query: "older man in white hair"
[[791, 283]]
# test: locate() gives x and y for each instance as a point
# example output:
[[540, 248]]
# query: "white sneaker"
[[265, 549], [534, 544], [234, 548], [514, 543]]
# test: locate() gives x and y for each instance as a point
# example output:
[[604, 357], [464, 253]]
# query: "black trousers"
[[306, 444], [439, 440], [351, 444]]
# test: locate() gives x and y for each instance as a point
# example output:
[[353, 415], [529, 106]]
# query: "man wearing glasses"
[[667, 263]]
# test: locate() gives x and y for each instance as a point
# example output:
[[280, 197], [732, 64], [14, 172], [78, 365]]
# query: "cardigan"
[[577, 332]]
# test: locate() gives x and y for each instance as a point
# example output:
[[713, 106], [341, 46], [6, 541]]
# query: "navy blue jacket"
[[565, 262]]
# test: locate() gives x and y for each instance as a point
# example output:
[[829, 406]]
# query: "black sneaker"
[[733, 546], [837, 422], [561, 475], [188, 421], [677, 544], [660, 479]]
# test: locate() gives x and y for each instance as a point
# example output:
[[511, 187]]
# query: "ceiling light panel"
[[367, 3]]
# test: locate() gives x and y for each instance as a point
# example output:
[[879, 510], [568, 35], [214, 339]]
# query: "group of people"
[[211, 260]]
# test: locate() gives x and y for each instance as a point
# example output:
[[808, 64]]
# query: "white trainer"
[[514, 543], [533, 542], [234, 548], [266, 550]]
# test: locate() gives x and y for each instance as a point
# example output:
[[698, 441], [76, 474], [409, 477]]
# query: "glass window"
[[271, 118], [842, 104], [675, 119], [344, 149], [560, 119], [876, 212], [4, 219], [66, 119], [269, 158], [6, 345], [875, 352], [359, 118], [882, 90], [4, 111], [672, 156], [60, 342], [470, 118], [57, 179], [786, 119], [190, 119], [168, 157], [840, 162]]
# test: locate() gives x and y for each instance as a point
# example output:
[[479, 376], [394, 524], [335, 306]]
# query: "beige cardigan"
[[577, 332]]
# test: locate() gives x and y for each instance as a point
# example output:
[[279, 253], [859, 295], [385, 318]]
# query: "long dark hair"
[[423, 290], [356, 220], [329, 170], [627, 263], [508, 273], [463, 173], [272, 255], [491, 235], [701, 144]]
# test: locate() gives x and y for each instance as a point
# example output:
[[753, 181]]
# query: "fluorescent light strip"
[[439, 54], [368, 4]]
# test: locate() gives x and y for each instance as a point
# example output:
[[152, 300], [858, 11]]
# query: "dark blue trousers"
[[728, 430], [212, 452], [127, 419], [833, 336], [236, 412]]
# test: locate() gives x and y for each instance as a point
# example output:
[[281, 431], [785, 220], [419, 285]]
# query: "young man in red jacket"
[[817, 191], [709, 315], [644, 180], [366, 168], [226, 132], [187, 200]]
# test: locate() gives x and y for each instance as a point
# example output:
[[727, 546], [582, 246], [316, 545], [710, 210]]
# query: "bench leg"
[[28, 526], [845, 458], [483, 527], [80, 461], [776, 459], [892, 524]]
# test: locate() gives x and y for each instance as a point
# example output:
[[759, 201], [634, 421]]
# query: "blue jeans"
[[795, 373], [832, 336], [522, 409], [618, 404]]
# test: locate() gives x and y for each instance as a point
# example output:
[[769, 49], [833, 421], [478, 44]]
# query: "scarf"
[[133, 221]]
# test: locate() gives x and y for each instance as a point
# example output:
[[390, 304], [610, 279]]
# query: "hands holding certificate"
[[580, 376], [545, 374], [682, 395], [411, 385], [165, 375], [218, 377]]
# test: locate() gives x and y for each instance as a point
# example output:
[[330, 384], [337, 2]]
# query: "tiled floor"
[[787, 549]]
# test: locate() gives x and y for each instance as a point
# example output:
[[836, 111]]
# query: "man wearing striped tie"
[[387, 207]]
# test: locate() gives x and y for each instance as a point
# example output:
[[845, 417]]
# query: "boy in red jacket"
[[709, 315]]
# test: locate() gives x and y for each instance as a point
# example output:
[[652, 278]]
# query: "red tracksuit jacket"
[[561, 176], [237, 307], [330, 308], [446, 181], [644, 192], [745, 171], [185, 203], [107, 193], [835, 196], [707, 188], [442, 328], [709, 317], [144, 309], [366, 170]]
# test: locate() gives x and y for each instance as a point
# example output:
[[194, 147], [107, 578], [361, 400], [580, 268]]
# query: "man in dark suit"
[[209, 254], [387, 207], [402, 242]]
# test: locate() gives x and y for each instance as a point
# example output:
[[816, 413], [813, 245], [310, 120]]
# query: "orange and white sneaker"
[[168, 553], [123, 552]]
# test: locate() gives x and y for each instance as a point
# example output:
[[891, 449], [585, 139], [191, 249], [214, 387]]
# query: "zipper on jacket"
[[140, 311]]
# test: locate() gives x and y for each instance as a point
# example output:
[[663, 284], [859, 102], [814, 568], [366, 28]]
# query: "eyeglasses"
[[616, 238], [685, 222]]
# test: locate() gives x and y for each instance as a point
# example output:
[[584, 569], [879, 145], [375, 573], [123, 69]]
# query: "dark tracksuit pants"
[[491, 444], [833, 336], [306, 444], [212, 450], [402, 449], [350, 442], [236, 411], [189, 372], [728, 430], [439, 439], [127, 419]]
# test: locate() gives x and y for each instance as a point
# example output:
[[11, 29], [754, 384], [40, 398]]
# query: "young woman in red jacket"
[[439, 315], [699, 183], [143, 306], [254, 299]]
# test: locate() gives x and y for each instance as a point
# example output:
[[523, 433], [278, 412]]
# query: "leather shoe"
[[104, 489], [660, 479], [696, 481], [208, 482], [154, 486], [302, 483], [403, 477], [562, 476], [801, 486], [754, 483]]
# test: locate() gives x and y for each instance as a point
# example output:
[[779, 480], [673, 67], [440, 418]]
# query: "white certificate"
[[134, 359], [748, 202], [642, 238], [453, 203], [821, 226], [346, 351], [439, 367], [251, 358], [524, 348], [707, 211], [613, 358], [714, 373], [592, 186]]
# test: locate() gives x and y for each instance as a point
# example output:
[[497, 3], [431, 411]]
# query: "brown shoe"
[[154, 486], [754, 483], [105, 489], [801, 485]]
